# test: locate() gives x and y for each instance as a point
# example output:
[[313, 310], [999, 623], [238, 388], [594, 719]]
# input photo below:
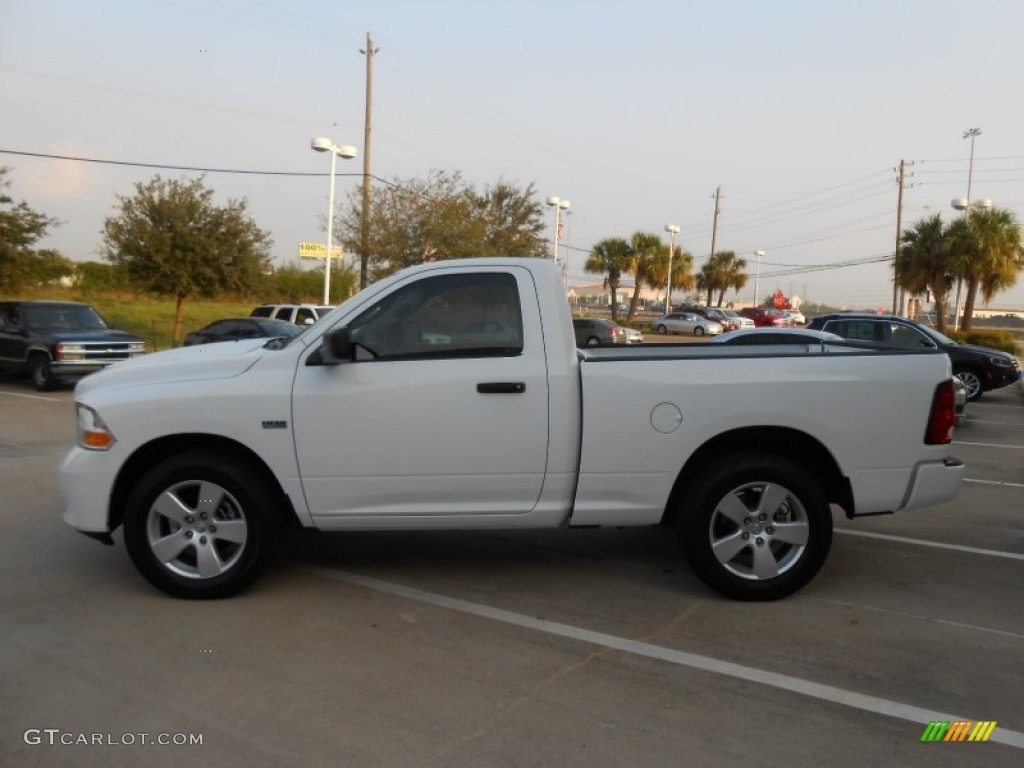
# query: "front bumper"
[[86, 483]]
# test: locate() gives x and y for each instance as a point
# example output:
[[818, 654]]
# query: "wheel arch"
[[157, 450], [798, 447]]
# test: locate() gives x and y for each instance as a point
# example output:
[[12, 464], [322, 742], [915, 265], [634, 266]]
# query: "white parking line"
[[935, 544], [31, 397], [863, 702], [990, 445], [1004, 483]]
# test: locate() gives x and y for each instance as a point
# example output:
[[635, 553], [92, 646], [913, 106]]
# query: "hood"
[[988, 351], [108, 334], [204, 361]]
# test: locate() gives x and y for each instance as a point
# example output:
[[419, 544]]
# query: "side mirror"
[[336, 347]]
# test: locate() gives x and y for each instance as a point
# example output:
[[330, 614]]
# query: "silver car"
[[687, 322]]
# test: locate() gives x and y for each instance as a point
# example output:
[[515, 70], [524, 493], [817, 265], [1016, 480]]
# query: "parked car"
[[980, 368], [764, 316], [739, 320], [597, 332], [796, 316], [300, 314], [633, 335], [761, 336], [53, 341], [717, 315], [687, 322], [204, 454], [238, 328]]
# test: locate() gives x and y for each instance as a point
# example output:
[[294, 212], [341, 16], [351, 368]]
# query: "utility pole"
[[897, 293], [364, 233], [714, 226]]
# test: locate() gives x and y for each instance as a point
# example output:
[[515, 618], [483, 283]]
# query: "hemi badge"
[[275, 425]]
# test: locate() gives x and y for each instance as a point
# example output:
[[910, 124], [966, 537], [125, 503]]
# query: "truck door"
[[444, 411]]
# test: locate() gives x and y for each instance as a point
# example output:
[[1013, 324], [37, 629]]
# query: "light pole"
[[323, 144], [559, 205], [673, 230], [757, 277], [964, 204]]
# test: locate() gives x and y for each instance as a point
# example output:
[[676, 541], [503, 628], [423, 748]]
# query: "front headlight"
[[70, 351], [92, 432], [136, 348], [1002, 362]]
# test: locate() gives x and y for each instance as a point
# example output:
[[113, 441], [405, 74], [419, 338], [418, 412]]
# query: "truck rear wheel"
[[200, 525], [758, 527]]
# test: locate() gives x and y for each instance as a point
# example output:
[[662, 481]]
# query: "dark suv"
[[55, 340], [979, 368]]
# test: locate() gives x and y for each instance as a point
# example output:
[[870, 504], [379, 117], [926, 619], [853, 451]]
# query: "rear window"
[[261, 312]]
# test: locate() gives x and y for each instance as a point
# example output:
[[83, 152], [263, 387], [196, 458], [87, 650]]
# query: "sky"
[[797, 112]]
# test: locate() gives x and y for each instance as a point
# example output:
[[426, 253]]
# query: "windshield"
[[941, 338], [63, 317]]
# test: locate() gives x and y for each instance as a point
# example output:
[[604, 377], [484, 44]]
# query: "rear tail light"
[[616, 331], [942, 416]]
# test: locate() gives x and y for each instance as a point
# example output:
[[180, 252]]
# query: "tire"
[[200, 525], [593, 341], [662, 330], [731, 542], [698, 330], [972, 383], [42, 374]]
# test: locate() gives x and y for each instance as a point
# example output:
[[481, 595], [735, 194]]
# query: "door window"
[[465, 315]]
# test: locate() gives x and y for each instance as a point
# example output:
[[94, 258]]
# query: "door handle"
[[501, 387]]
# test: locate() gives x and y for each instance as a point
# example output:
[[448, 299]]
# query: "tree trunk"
[[940, 312], [179, 311], [972, 293], [613, 289]]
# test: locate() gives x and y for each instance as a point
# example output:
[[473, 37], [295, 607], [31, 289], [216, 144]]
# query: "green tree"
[[610, 257], [732, 272], [646, 250], [985, 248], [682, 273], [923, 263], [721, 272], [172, 240], [21, 228], [442, 217], [295, 284]]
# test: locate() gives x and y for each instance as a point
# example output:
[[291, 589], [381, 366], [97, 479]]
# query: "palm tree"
[[722, 272], [732, 273], [682, 273], [924, 262], [610, 257], [646, 250], [990, 253]]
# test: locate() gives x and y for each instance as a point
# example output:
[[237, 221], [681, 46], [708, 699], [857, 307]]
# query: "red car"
[[767, 318]]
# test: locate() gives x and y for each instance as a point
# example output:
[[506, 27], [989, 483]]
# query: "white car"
[[299, 314], [687, 322], [796, 316], [741, 322]]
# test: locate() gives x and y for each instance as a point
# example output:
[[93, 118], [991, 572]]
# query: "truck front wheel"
[[758, 527], [42, 374], [200, 525]]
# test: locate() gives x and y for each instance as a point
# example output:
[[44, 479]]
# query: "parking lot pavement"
[[568, 648]]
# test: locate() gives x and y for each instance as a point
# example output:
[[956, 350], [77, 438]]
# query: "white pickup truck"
[[452, 395]]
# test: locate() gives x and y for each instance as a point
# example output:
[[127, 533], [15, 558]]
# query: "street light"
[[346, 152], [757, 276], [559, 205], [673, 230], [965, 204]]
